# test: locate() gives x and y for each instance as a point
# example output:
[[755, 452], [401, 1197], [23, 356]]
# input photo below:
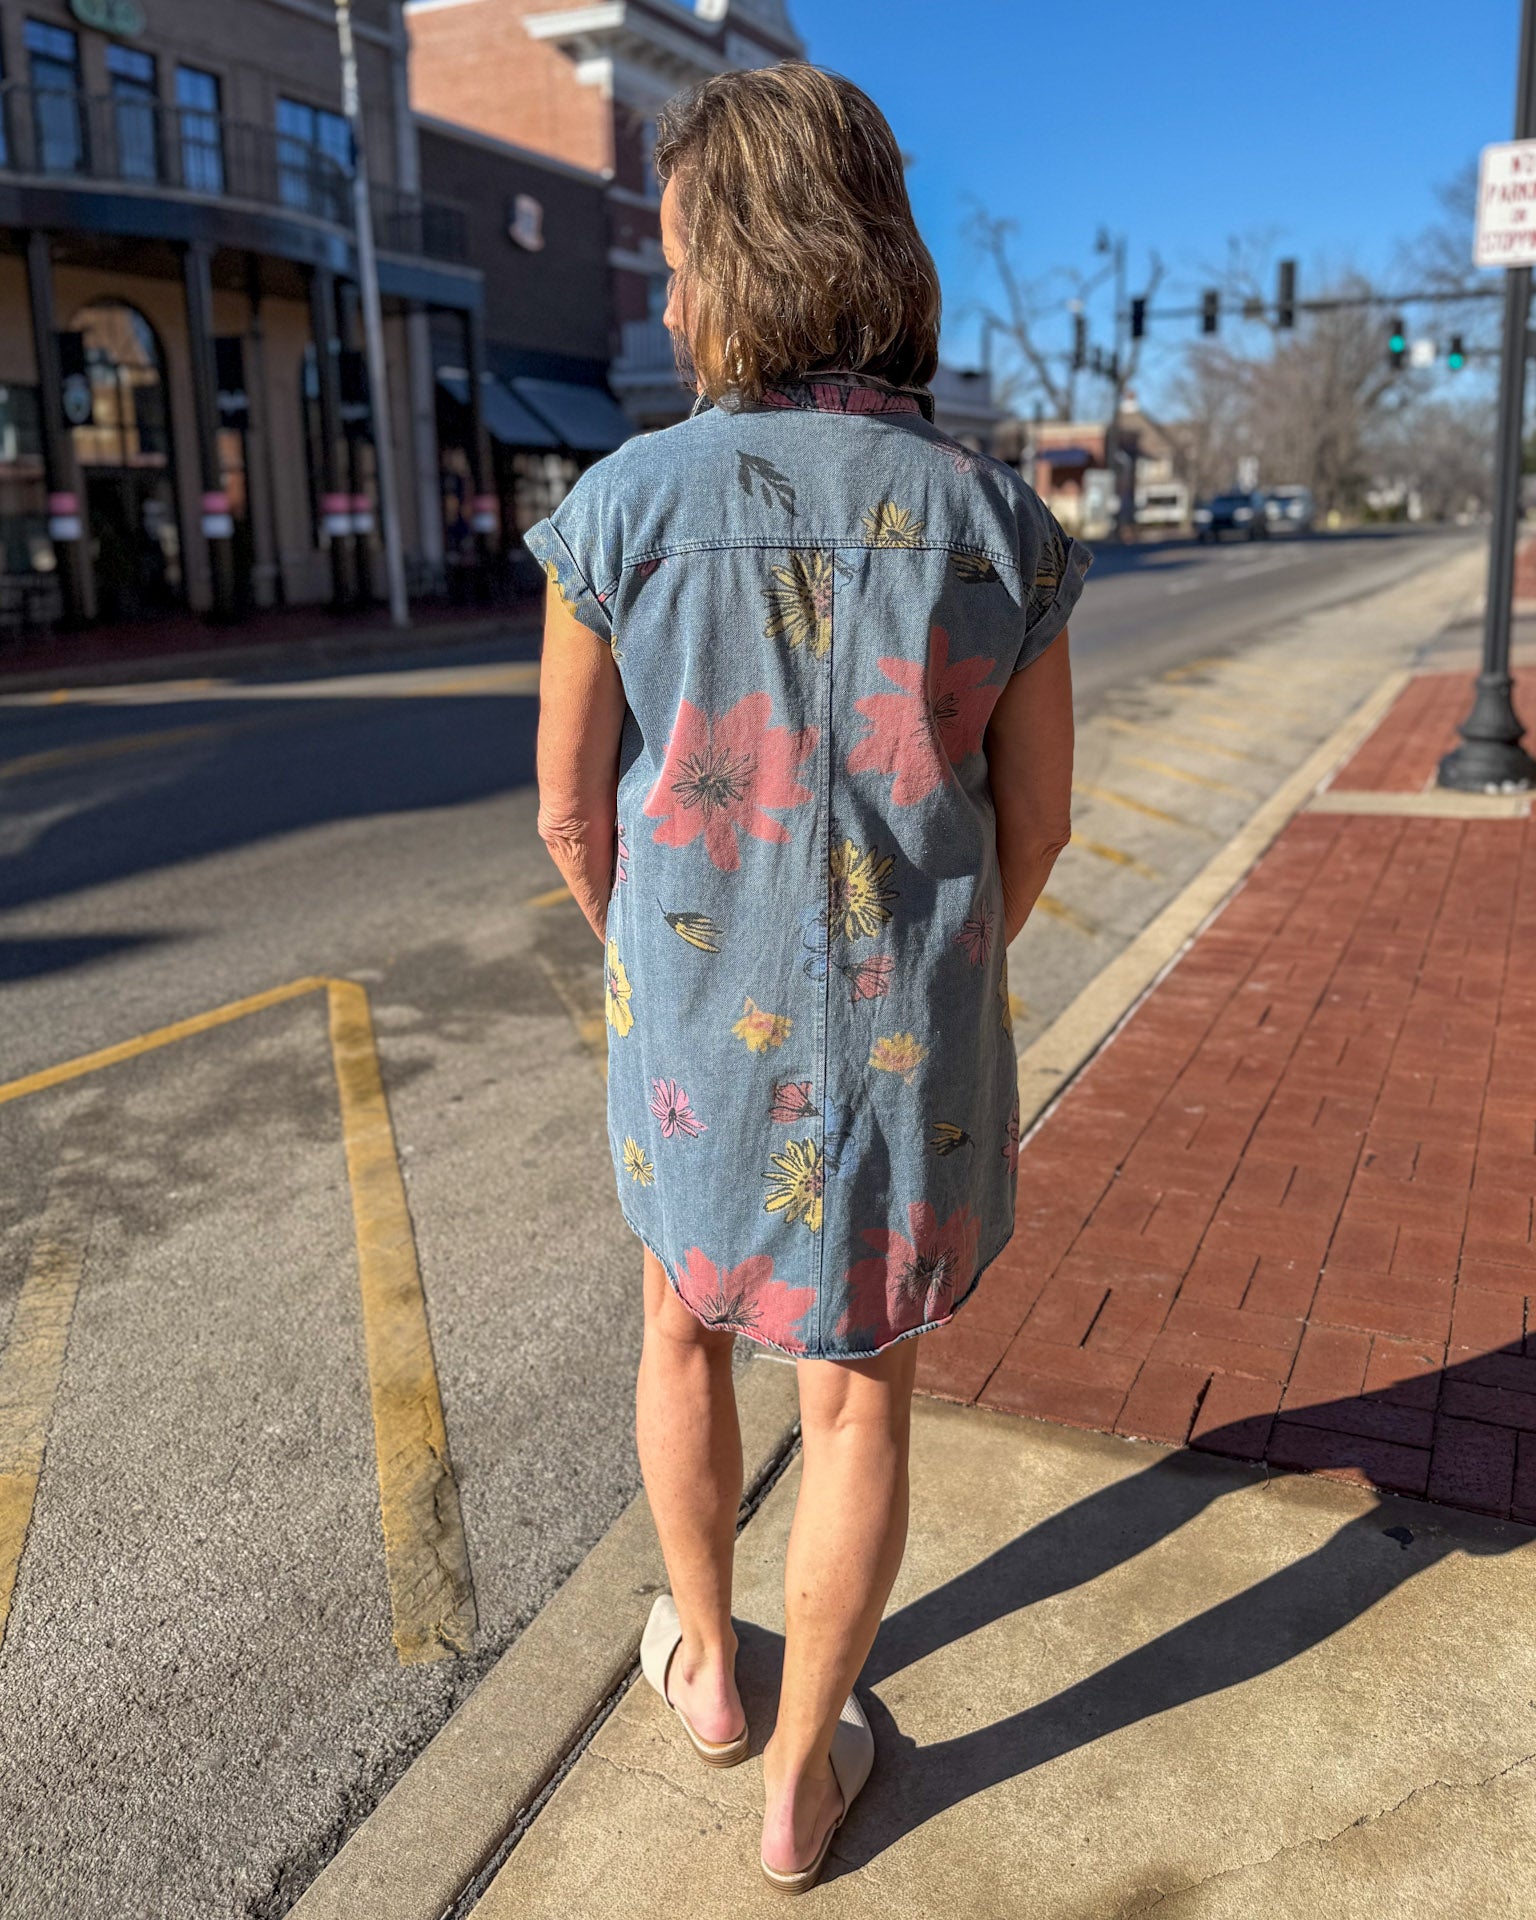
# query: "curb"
[[319, 651], [467, 1796]]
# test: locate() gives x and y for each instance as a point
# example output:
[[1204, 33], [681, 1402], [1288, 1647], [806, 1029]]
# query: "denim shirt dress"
[[814, 603]]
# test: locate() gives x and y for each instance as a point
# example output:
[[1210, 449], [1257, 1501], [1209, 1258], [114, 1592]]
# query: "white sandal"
[[662, 1638], [853, 1754]]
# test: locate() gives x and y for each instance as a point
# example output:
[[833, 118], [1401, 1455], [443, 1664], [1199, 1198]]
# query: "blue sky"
[[1324, 125]]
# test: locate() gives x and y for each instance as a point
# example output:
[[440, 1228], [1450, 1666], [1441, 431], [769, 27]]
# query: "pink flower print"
[[908, 1282], [721, 776], [671, 1107], [1011, 1141], [938, 718], [975, 937], [745, 1299], [791, 1101], [868, 979], [620, 856]]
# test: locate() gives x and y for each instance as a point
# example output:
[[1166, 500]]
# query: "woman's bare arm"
[[581, 718], [1029, 759]]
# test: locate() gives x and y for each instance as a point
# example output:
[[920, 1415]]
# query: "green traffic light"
[[1397, 343], [1456, 362]]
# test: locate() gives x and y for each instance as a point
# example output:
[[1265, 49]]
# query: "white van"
[[1162, 503]]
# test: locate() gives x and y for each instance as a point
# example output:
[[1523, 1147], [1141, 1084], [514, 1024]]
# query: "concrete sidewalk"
[[1283, 1218]]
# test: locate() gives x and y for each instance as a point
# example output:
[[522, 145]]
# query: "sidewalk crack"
[[1320, 1840]]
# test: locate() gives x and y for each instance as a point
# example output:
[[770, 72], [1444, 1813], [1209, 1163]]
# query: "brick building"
[[183, 420], [583, 84]]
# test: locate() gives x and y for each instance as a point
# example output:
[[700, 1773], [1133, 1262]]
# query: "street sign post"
[[1506, 206], [1490, 756]]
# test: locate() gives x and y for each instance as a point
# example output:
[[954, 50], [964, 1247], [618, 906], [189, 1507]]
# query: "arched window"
[[124, 450]]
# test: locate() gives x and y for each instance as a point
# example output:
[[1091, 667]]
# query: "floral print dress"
[[814, 604]]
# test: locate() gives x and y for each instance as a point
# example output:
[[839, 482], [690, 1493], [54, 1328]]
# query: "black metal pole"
[[1490, 755], [335, 507], [216, 523], [58, 461]]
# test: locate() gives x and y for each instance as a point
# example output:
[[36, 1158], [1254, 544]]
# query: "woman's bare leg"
[[690, 1455], [845, 1547]]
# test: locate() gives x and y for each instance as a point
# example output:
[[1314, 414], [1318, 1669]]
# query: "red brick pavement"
[[1289, 1213], [1402, 754]]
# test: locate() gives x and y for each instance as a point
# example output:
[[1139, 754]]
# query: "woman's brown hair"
[[802, 251]]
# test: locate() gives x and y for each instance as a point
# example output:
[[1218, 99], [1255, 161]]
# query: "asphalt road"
[[199, 1690]]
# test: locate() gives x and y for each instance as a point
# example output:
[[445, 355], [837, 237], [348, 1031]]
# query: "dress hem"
[[801, 1353]]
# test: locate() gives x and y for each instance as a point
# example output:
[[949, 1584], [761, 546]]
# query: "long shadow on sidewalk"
[[1240, 1638]]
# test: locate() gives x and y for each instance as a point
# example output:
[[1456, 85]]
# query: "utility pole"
[[1490, 755], [373, 324], [1116, 377]]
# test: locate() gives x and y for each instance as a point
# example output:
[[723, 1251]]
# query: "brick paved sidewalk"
[[1287, 1213]]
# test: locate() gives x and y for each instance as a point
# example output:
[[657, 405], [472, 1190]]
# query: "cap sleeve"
[[1054, 567], [578, 547]]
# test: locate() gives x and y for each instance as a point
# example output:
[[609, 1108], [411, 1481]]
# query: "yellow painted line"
[[551, 899], [1140, 729], [1191, 667], [147, 1042], [31, 1366], [1437, 804], [430, 1591], [54, 758], [1225, 726], [1068, 916], [1116, 856], [1179, 773], [581, 994], [1111, 798]]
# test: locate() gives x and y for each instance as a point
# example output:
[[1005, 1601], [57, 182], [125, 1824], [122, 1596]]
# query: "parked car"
[[1239, 513], [1162, 503], [1290, 509]]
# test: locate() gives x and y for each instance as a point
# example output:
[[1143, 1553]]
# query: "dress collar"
[[835, 390]]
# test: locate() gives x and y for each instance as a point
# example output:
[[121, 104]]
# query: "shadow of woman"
[[1246, 1635]]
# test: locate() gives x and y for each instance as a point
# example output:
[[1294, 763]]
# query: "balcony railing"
[[646, 352], [132, 140]]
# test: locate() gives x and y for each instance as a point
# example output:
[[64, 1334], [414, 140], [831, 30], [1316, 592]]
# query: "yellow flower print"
[[639, 1169], [761, 1029], [800, 602], [901, 1053], [554, 580], [1007, 1000], [858, 892], [891, 526], [616, 992], [794, 1186]]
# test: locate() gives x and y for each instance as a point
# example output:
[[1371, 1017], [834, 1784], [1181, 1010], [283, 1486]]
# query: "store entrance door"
[[135, 549]]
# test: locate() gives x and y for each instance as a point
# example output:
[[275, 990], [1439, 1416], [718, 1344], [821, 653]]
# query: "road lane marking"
[[580, 991], [551, 899], [1179, 773], [31, 1366], [1057, 909], [1145, 728], [1114, 799], [1102, 851], [431, 1592], [1189, 668], [159, 1037], [52, 759]]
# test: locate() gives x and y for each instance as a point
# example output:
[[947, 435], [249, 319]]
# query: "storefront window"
[[26, 553], [125, 453]]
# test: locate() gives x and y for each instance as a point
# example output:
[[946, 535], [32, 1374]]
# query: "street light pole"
[[1490, 755], [373, 324]]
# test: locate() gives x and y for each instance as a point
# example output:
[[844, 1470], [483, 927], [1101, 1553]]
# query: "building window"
[[650, 186], [53, 58], [314, 160], [131, 75], [202, 138]]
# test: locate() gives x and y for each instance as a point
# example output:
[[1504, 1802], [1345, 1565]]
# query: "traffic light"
[[1456, 358], [1285, 295], [1079, 341], [1397, 343], [1210, 310], [1138, 316]]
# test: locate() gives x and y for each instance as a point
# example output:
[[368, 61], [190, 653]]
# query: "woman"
[[804, 760]]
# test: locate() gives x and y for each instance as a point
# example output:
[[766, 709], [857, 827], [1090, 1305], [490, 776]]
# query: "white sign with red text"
[[1506, 206]]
